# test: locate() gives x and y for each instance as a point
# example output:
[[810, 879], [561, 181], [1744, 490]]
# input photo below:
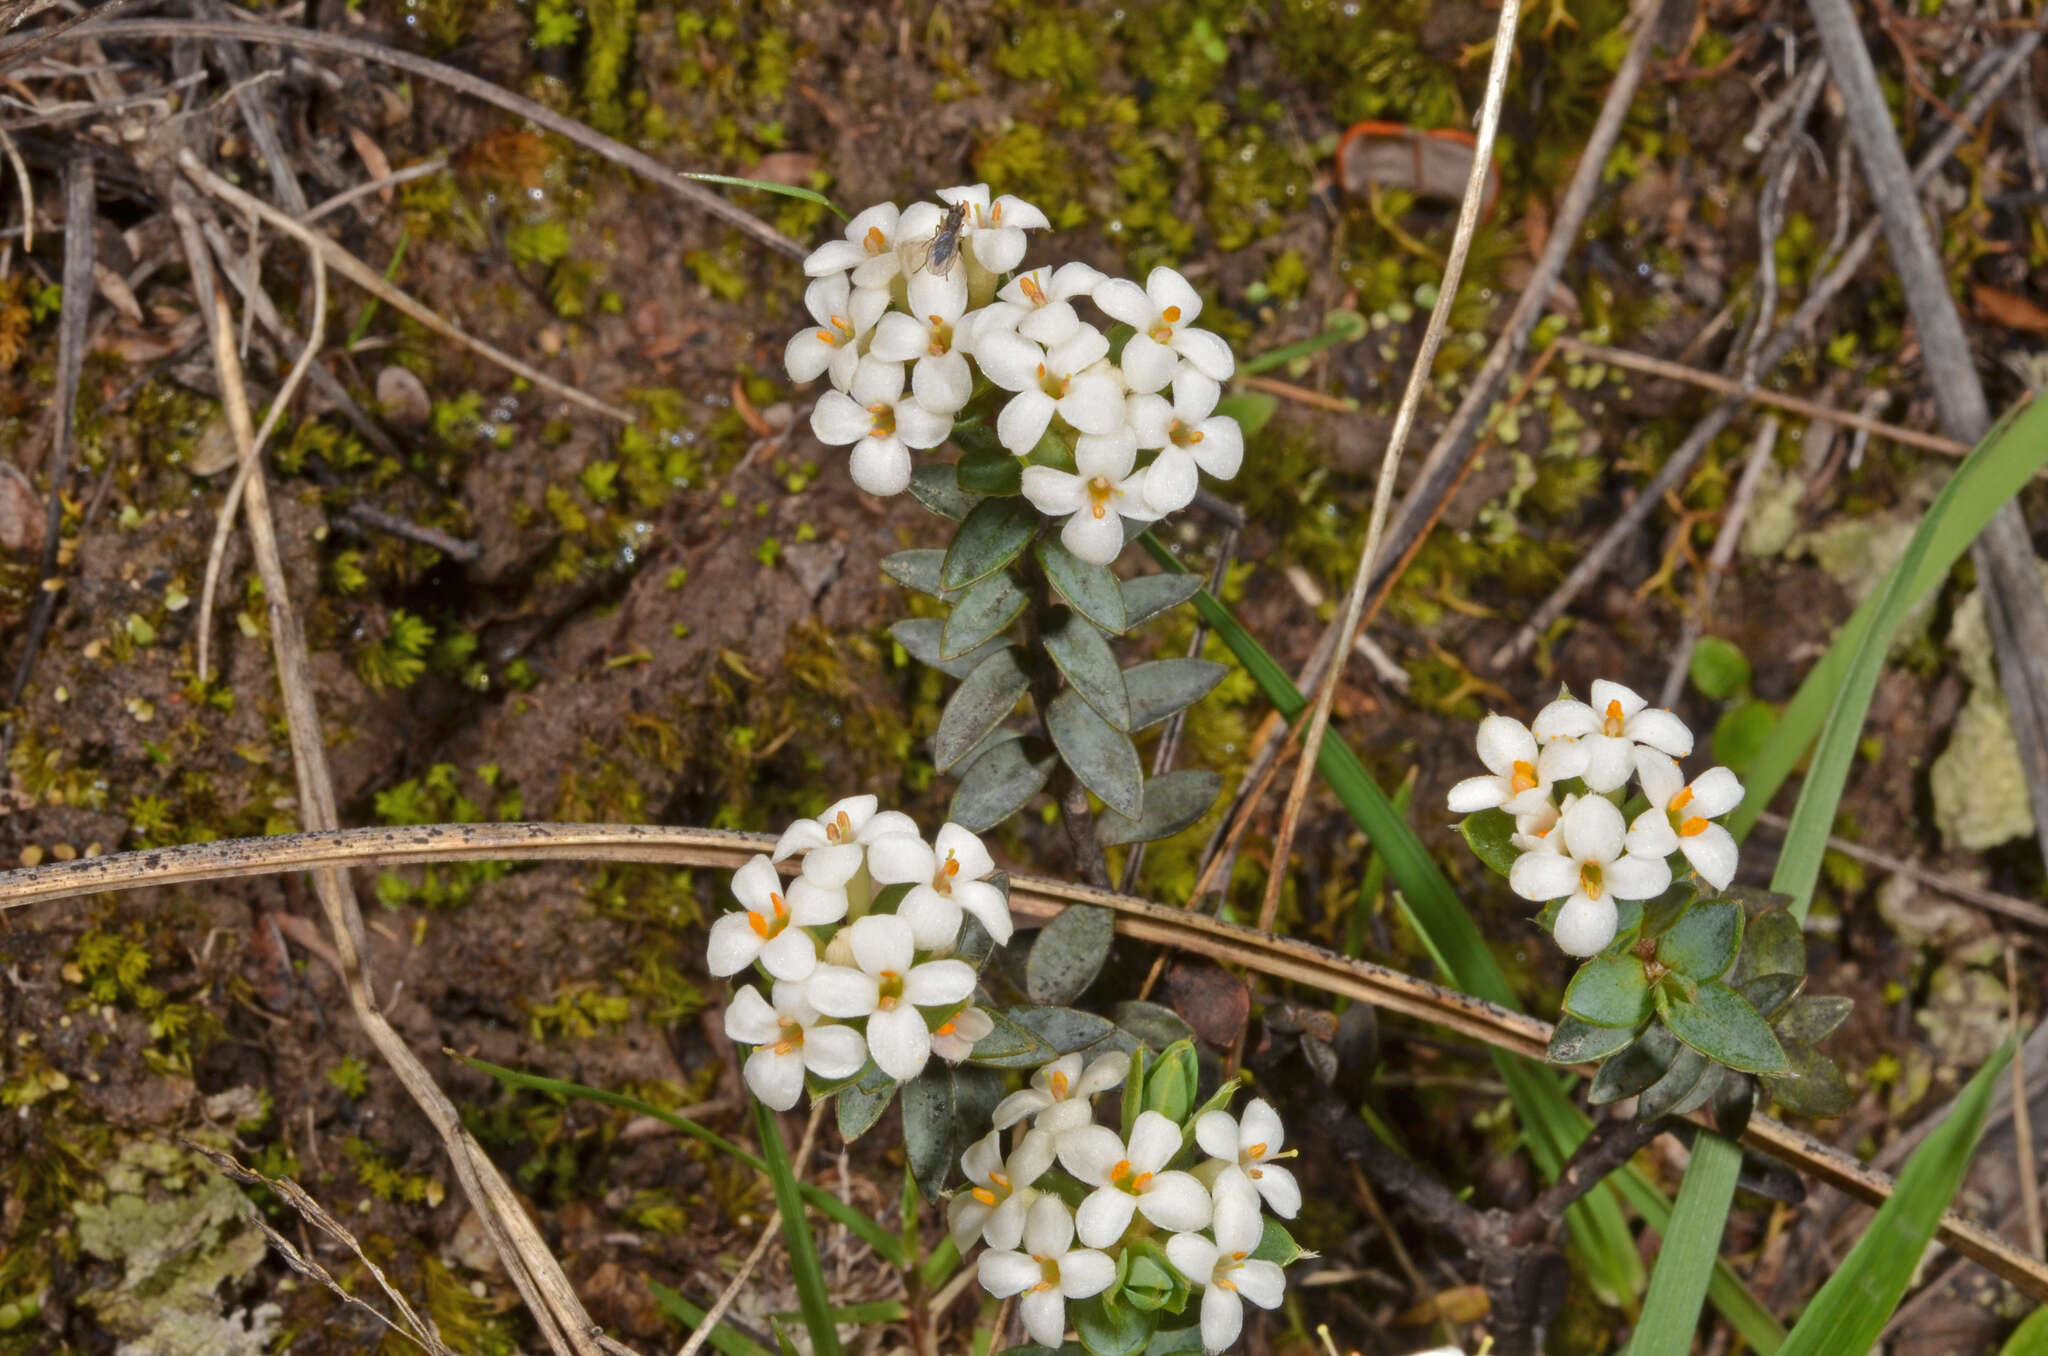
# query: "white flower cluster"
[[911, 304], [842, 994], [1575, 845], [1211, 1212]]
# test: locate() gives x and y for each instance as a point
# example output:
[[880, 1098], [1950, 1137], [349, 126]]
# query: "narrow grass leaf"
[[804, 1270], [786, 190], [722, 1339]]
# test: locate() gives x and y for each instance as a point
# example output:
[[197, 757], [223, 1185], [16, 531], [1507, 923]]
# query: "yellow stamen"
[[787, 1044], [874, 242], [1121, 1170], [995, 214], [951, 867], [1692, 828], [827, 337], [1525, 776], [759, 924], [1615, 720], [1681, 800], [1225, 1283], [1256, 1151], [1059, 1084], [1171, 315], [945, 1030], [842, 828], [984, 1195], [1141, 1182], [1033, 293], [781, 907], [1589, 881], [999, 1180], [1100, 490]]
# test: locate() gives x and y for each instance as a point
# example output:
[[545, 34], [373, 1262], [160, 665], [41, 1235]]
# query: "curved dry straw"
[[1032, 896]]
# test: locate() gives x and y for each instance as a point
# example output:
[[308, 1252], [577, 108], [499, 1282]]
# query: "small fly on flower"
[[938, 254]]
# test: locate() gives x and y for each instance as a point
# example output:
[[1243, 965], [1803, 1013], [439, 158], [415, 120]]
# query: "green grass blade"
[[1834, 700], [811, 1294], [722, 1339], [871, 1233], [786, 190], [1851, 1310], [2010, 455], [1691, 1247], [2030, 1338]]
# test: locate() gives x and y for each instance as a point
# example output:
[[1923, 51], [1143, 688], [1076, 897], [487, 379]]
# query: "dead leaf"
[[402, 396], [1459, 1304], [2013, 312], [118, 293], [1432, 163], [1210, 999], [22, 514], [373, 159], [214, 450]]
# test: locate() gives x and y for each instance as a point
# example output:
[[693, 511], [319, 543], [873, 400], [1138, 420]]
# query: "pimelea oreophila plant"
[[870, 958], [1690, 982], [1085, 409]]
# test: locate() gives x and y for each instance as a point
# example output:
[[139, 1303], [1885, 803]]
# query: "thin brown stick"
[[2023, 1120], [290, 35], [367, 278], [2011, 906], [1811, 409], [1397, 443], [1723, 557], [1279, 958]]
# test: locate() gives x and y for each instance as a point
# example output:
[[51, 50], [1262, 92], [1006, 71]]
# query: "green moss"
[[606, 60]]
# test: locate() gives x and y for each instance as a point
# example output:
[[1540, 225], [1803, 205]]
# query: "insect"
[[938, 254]]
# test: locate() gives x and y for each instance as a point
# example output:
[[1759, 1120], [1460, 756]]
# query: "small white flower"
[[888, 990], [1161, 312], [1060, 1092], [1069, 379], [932, 335], [1227, 1271], [1049, 1272], [994, 1207], [1522, 773], [1679, 816], [882, 424], [943, 882], [1040, 304], [956, 1037], [1132, 1177], [869, 250], [1608, 731], [1590, 872], [789, 1038], [1103, 489], [770, 926], [1250, 1147], [833, 842], [995, 230], [1533, 830], [844, 316], [1190, 436]]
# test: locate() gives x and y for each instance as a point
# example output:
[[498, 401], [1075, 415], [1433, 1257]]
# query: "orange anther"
[[759, 924], [1171, 315], [874, 242], [1525, 776], [984, 1195], [1141, 1181], [1121, 1170], [1033, 293], [1681, 800], [1692, 828], [945, 1030], [827, 337], [1059, 1084], [1256, 1151], [781, 906]]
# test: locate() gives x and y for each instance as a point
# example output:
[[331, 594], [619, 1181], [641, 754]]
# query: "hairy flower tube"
[[925, 327]]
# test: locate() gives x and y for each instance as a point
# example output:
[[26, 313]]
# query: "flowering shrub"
[[1691, 990], [1074, 434]]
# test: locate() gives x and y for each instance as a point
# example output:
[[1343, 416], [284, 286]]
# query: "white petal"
[[1659, 775], [900, 1041], [1054, 492], [881, 943], [777, 1079], [1019, 1105], [1073, 279], [1031, 1158], [923, 428], [998, 249], [1608, 762], [1051, 324], [1565, 719], [1176, 1201], [1477, 793], [834, 1051], [989, 907], [832, 865], [1238, 1226], [1171, 482], [1148, 365], [1062, 1117], [1593, 830], [942, 384], [1281, 1191], [838, 419], [1207, 353], [841, 991], [1083, 350], [1584, 926], [1105, 1215], [1008, 359], [1003, 1274], [812, 905], [1169, 291], [944, 297], [1632, 877], [1045, 1316], [1089, 1152], [1661, 729], [965, 1216], [1652, 835], [1503, 742], [1154, 1140], [901, 859], [801, 836], [1121, 299], [983, 1159], [732, 945], [1605, 694], [899, 338], [1103, 1073], [937, 983], [1222, 1318], [790, 954], [868, 303], [1098, 541], [1261, 1125], [934, 919], [1714, 793], [834, 256], [1018, 215], [881, 466], [881, 824], [878, 382], [1005, 1226], [1261, 1282], [756, 884], [1085, 1272], [1562, 758], [1049, 1229], [1216, 1133], [749, 1019], [1540, 877], [1220, 449], [808, 354], [964, 847], [1022, 421], [1149, 418], [1094, 403], [1193, 1256], [1713, 854]]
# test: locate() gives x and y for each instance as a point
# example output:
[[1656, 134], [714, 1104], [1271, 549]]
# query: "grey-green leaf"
[[1638, 1066], [1011, 1046], [1091, 590], [1064, 1029], [1577, 1042], [1173, 801], [940, 1108], [1149, 595], [1772, 945], [1768, 993], [1720, 1025], [920, 638], [1609, 991], [859, 1107], [1069, 953], [980, 704], [1088, 664], [984, 610], [1813, 1017], [1152, 1025], [1703, 942], [1488, 834], [917, 570], [1678, 1083], [992, 536], [998, 783], [936, 485], [1101, 755], [1811, 1085], [1164, 686]]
